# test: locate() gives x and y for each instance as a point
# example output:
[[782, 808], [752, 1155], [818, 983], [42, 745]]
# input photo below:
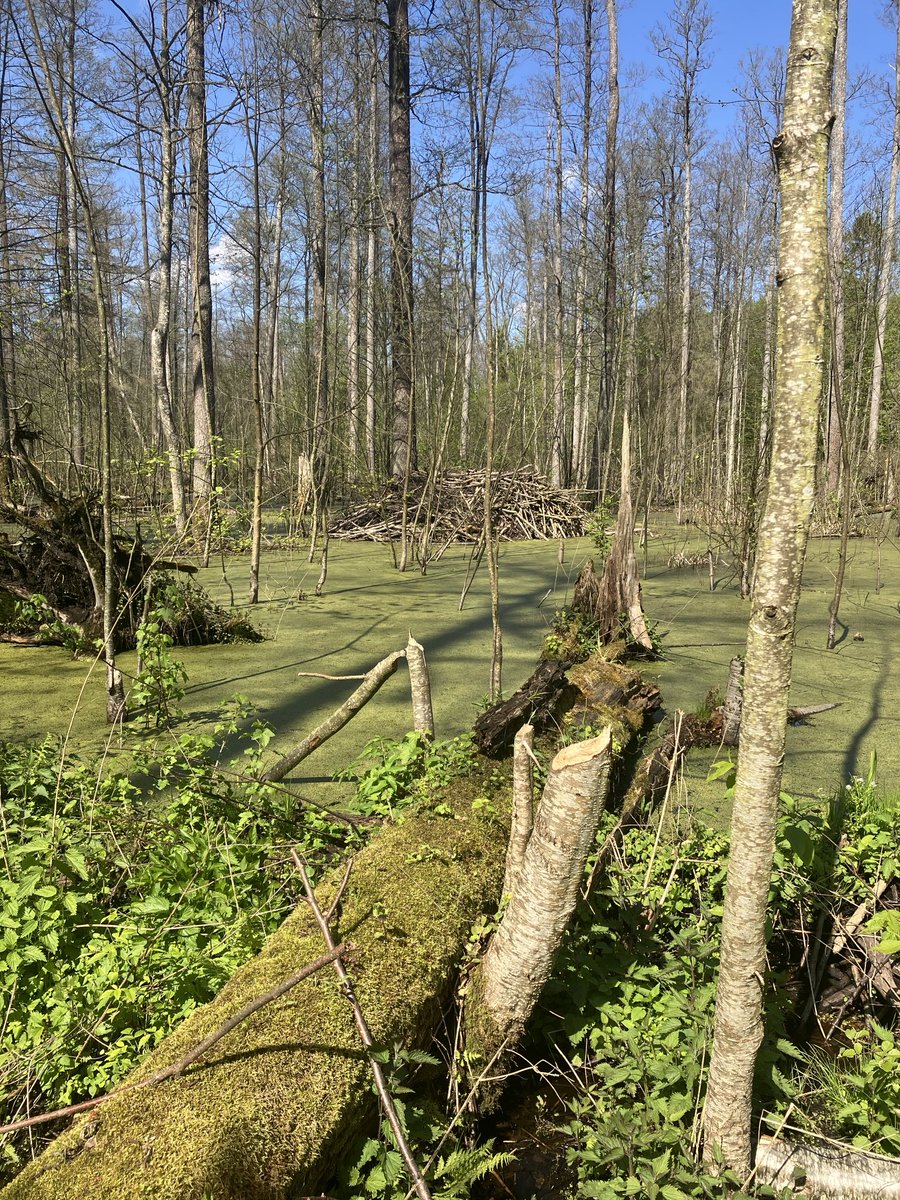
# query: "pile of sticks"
[[450, 508]]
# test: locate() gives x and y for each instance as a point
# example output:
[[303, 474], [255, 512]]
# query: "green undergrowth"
[[127, 905], [624, 1028], [275, 1107], [628, 1016]]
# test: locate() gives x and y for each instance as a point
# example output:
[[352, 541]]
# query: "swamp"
[[449, 600]]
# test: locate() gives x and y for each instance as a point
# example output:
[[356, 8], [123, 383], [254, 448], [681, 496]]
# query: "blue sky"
[[745, 25]]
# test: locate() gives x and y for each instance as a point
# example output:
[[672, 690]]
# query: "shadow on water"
[[854, 746]]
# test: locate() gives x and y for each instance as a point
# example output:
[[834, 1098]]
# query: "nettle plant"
[[124, 908]]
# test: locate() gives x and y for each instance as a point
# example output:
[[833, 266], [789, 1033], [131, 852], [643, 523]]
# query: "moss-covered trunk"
[[272, 1109]]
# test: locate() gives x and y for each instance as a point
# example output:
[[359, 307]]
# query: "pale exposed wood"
[[522, 807], [828, 1172], [521, 953], [420, 686]]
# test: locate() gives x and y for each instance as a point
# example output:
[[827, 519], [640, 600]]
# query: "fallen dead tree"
[[451, 508], [273, 1106], [828, 1171]]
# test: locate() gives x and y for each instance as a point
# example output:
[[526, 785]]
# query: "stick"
[[333, 955], [421, 1187], [372, 681]]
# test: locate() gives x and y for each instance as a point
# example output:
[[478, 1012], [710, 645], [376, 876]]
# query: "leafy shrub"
[[390, 773], [573, 636], [122, 910]]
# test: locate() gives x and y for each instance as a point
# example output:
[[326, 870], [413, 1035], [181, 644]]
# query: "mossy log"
[[272, 1109]]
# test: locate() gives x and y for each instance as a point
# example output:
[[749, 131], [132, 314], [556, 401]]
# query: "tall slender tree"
[[802, 153]]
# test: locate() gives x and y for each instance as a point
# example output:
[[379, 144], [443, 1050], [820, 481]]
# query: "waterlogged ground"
[[368, 609]]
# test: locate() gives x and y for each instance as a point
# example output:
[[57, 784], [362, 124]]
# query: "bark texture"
[[828, 1172], [521, 954], [522, 807], [802, 153], [420, 687]]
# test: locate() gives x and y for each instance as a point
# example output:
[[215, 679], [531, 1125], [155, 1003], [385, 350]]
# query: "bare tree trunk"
[[372, 256], [115, 693], [558, 441], [159, 334], [582, 374], [887, 261], [203, 386], [802, 149], [490, 542], [836, 255], [403, 449]]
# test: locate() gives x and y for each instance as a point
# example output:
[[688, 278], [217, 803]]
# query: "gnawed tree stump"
[[520, 957]]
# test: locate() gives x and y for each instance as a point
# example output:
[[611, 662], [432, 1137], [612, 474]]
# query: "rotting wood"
[[827, 1172], [372, 681], [419, 1185], [536, 702]]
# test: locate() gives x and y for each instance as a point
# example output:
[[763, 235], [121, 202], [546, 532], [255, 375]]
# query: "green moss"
[[271, 1109]]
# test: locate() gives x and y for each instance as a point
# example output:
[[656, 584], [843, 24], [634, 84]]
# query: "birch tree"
[[802, 154]]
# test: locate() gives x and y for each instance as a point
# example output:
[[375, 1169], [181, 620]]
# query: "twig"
[[319, 675], [421, 1187], [333, 955]]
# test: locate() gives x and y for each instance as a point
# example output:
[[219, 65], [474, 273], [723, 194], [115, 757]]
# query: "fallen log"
[[276, 1104], [827, 1172], [536, 703], [273, 1108]]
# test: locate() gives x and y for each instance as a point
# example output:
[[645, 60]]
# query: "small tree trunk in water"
[[836, 253], [887, 261], [802, 150], [420, 687], [403, 451], [521, 954], [201, 321]]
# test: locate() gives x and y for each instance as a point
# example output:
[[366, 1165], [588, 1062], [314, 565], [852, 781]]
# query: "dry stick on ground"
[[372, 681], [421, 1187], [420, 687], [333, 955], [522, 806]]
